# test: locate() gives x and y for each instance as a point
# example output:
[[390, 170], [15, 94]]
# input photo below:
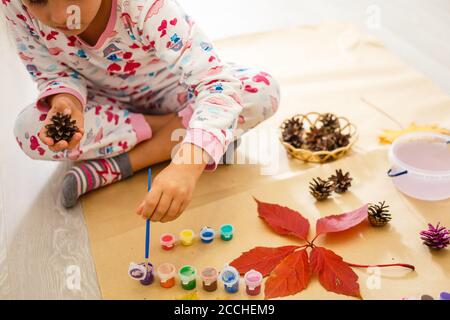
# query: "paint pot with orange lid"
[[167, 273]]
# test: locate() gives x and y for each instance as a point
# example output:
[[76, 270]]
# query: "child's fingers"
[[44, 138], [173, 212], [163, 207], [151, 202], [59, 146], [76, 139]]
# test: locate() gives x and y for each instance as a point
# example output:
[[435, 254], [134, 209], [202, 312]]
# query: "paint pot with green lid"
[[188, 277], [226, 232]]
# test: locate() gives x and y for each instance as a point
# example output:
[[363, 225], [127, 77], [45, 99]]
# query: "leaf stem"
[[402, 265]]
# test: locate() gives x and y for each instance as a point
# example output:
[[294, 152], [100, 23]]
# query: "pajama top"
[[147, 46]]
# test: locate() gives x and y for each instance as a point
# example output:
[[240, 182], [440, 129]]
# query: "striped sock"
[[93, 174]]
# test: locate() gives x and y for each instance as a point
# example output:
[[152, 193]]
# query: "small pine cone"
[[379, 215], [330, 122], [61, 128], [293, 132], [320, 189], [341, 182], [314, 139], [436, 237], [341, 140]]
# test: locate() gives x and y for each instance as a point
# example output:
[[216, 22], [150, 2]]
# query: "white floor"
[[43, 247]]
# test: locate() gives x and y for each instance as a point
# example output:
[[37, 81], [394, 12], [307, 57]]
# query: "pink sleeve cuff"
[[43, 106], [208, 142]]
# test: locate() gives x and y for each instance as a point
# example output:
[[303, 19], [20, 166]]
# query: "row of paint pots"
[[188, 236], [188, 277]]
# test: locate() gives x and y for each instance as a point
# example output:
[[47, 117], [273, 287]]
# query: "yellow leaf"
[[190, 296], [389, 136]]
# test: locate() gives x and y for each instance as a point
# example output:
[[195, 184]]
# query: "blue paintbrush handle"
[[147, 229]]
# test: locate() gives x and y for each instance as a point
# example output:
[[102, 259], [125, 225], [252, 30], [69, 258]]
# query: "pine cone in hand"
[[62, 128], [379, 215], [320, 189], [341, 182], [436, 237]]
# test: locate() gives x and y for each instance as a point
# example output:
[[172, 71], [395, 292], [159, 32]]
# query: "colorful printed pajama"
[[112, 128]]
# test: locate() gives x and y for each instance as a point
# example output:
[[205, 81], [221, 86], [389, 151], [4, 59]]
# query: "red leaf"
[[334, 274], [341, 222], [291, 276], [262, 259], [283, 220]]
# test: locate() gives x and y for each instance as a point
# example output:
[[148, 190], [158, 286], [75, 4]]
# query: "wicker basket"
[[311, 120]]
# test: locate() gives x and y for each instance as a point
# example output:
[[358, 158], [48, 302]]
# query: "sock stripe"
[[92, 168], [88, 176], [80, 178]]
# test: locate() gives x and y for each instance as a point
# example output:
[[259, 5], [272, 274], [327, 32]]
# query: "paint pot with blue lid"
[[230, 278], [226, 232], [207, 235]]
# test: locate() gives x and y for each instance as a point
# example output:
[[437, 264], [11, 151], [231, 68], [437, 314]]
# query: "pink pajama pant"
[[112, 128]]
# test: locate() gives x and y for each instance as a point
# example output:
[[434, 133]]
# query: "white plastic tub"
[[421, 165]]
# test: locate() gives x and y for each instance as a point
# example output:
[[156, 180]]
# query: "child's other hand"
[[66, 104], [172, 189]]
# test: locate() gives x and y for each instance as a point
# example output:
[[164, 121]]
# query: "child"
[[131, 73]]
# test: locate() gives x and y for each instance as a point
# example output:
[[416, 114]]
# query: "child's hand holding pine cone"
[[64, 126]]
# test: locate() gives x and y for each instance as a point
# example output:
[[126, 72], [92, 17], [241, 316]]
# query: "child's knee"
[[26, 129]]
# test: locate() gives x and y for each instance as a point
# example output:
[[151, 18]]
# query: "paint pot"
[[142, 272], [167, 241], [209, 277], [230, 277], [207, 235], [187, 237], [188, 277], [253, 280], [167, 273], [226, 232]]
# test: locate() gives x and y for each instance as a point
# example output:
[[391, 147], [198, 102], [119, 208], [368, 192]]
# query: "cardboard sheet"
[[330, 67]]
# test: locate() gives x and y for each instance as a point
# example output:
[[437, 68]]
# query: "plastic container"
[[188, 277], [421, 165], [230, 277], [209, 277], [226, 232], [142, 272], [167, 273], [207, 235], [187, 237], [167, 241], [253, 281]]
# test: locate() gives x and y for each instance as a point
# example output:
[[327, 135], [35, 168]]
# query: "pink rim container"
[[421, 165]]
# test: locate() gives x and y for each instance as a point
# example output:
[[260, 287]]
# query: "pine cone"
[[330, 122], [341, 182], [436, 237], [320, 189], [293, 132], [61, 128], [379, 215], [340, 139], [314, 139]]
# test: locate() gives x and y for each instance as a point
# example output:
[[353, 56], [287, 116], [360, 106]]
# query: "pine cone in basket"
[[330, 122], [340, 139], [320, 189], [61, 128], [341, 182], [293, 132], [379, 215], [436, 237]]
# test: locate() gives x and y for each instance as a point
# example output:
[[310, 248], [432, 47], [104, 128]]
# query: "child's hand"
[[66, 104], [172, 189]]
